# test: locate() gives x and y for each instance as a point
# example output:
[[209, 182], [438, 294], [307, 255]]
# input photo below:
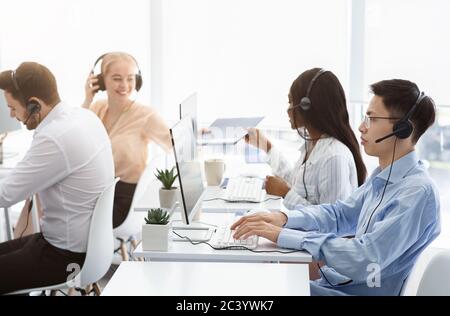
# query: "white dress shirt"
[[69, 164], [330, 174]]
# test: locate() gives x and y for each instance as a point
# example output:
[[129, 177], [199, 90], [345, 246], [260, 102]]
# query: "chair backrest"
[[430, 275], [100, 242], [133, 223]]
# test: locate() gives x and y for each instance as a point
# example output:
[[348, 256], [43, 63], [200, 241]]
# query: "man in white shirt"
[[69, 164]]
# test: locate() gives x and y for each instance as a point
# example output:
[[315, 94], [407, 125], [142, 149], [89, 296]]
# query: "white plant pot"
[[167, 198], [156, 237]]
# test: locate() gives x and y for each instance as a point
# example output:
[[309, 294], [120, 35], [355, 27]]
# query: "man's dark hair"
[[399, 96], [33, 80]]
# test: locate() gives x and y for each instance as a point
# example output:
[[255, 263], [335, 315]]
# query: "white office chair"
[[131, 228], [99, 250], [430, 275]]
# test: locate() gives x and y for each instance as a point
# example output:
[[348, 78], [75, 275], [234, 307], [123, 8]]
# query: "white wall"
[[68, 36], [242, 56]]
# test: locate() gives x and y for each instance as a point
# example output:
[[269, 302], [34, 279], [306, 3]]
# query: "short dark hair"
[[399, 96], [34, 80]]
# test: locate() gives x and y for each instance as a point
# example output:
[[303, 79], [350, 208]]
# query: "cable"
[[304, 170], [308, 139], [197, 222], [60, 291], [332, 285], [373, 212], [385, 186], [231, 201], [196, 243], [28, 218]]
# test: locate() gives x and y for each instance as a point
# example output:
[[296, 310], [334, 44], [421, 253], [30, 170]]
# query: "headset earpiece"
[[33, 107], [100, 82], [139, 81], [305, 102], [101, 79], [404, 128]]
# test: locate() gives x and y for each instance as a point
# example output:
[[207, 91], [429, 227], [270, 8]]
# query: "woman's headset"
[[101, 79], [305, 102], [32, 106]]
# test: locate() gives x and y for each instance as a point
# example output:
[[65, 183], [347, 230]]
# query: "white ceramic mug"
[[214, 171]]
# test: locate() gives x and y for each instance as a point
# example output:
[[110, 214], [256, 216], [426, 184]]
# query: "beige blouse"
[[130, 136]]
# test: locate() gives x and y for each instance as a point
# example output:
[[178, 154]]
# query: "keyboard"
[[243, 189], [223, 238]]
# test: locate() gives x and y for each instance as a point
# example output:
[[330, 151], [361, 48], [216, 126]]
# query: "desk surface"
[[208, 279], [185, 251], [236, 166], [151, 200]]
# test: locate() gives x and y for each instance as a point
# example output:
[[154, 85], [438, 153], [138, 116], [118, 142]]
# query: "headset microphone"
[[394, 133]]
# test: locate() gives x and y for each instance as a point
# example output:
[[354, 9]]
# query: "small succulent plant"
[[166, 177], [157, 216]]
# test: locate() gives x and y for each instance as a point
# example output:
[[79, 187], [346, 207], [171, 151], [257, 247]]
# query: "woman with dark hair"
[[330, 167]]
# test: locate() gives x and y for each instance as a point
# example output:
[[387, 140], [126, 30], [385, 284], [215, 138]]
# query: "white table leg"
[[8, 226], [35, 216]]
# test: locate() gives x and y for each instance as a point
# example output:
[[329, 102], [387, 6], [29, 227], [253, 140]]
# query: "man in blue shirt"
[[393, 217]]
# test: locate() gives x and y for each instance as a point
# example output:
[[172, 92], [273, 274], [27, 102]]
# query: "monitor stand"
[[196, 232]]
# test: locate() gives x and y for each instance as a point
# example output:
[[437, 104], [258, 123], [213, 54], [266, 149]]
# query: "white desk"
[[185, 251], [17, 143], [7, 224], [151, 200], [208, 279], [236, 165]]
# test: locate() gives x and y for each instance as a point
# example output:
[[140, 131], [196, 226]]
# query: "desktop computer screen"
[[188, 168], [189, 108], [193, 190], [7, 123]]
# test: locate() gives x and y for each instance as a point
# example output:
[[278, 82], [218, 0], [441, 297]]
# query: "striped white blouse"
[[330, 174]]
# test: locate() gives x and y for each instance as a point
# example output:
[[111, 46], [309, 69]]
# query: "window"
[[67, 36], [405, 39], [242, 56]]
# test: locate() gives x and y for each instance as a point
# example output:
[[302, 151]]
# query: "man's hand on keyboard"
[[276, 186], [276, 218], [267, 225]]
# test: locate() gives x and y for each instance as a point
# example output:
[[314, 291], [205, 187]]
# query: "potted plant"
[[156, 231], [168, 194]]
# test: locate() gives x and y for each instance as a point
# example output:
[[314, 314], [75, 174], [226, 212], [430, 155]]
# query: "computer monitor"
[[189, 108], [7, 123], [189, 170]]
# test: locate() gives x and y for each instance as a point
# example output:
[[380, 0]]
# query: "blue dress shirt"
[[378, 261]]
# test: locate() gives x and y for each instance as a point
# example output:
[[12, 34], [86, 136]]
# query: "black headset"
[[101, 79], [404, 128], [305, 103], [32, 106]]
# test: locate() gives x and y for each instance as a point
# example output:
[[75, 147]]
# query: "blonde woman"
[[131, 126]]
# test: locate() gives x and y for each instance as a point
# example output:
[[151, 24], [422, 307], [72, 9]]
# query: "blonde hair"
[[114, 57]]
